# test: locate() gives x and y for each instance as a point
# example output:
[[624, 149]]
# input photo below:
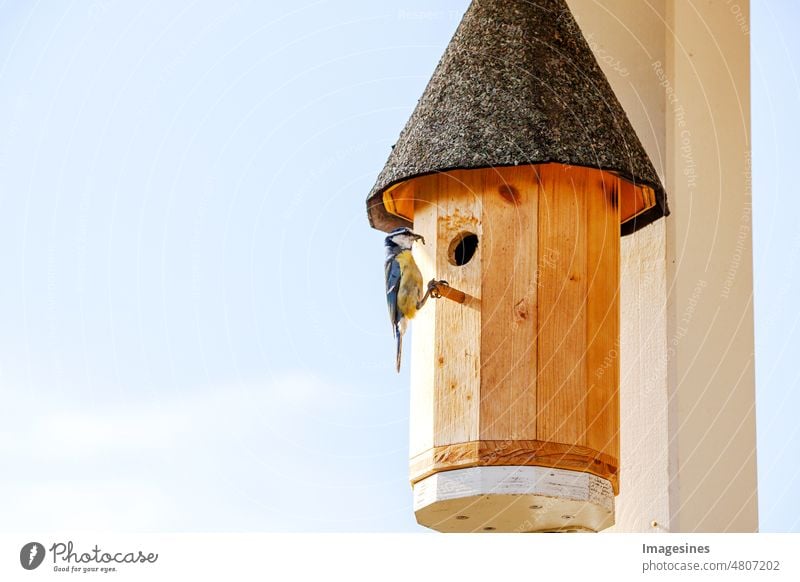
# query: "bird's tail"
[[399, 332], [399, 337]]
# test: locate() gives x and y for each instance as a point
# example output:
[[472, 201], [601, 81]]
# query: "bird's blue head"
[[402, 238]]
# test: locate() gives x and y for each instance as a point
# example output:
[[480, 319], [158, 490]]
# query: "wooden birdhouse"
[[522, 171]]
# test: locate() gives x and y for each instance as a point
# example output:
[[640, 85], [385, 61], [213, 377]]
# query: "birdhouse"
[[522, 171]]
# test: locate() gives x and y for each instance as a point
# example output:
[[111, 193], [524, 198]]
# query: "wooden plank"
[[458, 334], [602, 313], [508, 297], [527, 452], [513, 500], [633, 200], [423, 334], [400, 198], [561, 394]]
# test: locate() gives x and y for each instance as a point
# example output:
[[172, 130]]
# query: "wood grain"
[[423, 327], [508, 296], [458, 330], [515, 453], [561, 391], [602, 314]]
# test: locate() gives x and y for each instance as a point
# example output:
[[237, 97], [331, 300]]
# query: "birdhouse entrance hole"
[[462, 249]]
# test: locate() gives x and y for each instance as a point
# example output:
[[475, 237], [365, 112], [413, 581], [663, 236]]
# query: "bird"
[[403, 283]]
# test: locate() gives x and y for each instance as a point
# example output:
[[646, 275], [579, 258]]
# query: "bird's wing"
[[392, 286]]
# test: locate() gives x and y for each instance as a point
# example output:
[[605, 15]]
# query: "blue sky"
[[776, 258], [193, 334]]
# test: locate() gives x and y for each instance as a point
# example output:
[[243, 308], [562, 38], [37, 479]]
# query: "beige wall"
[[681, 70], [709, 244]]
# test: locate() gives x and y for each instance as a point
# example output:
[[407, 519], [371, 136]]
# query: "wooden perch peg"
[[439, 289]]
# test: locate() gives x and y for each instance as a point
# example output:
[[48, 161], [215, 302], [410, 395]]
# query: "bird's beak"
[[420, 237]]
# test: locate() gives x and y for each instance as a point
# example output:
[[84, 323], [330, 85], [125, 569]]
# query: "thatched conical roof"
[[518, 84]]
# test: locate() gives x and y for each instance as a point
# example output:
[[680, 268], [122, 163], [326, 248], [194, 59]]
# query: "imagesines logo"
[[31, 555]]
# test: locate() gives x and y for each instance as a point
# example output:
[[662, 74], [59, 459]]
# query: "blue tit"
[[403, 282]]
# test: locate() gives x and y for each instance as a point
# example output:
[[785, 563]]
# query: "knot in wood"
[[521, 310]]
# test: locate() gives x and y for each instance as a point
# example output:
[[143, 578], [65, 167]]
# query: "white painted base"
[[514, 499]]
